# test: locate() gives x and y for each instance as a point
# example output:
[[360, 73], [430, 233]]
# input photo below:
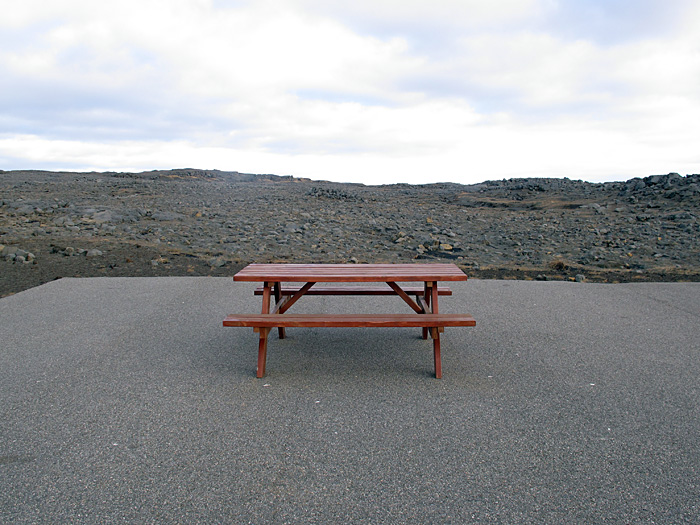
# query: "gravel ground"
[[195, 222]]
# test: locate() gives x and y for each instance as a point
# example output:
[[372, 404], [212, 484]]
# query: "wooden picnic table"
[[423, 300]]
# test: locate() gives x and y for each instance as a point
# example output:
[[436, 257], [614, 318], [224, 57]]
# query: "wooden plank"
[[350, 272], [355, 290], [349, 320]]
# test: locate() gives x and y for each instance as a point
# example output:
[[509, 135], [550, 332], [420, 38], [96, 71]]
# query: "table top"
[[349, 273]]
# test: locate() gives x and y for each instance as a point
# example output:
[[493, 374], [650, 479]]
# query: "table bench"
[[425, 303]]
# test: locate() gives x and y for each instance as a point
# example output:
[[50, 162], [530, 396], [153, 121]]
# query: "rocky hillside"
[[212, 222]]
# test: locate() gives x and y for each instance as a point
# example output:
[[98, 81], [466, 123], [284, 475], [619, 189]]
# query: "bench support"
[[435, 332], [262, 352], [429, 302]]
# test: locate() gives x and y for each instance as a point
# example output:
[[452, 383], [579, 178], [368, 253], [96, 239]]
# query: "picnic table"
[[422, 299]]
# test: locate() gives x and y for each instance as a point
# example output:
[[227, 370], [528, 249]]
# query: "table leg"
[[436, 353], [434, 297], [435, 302], [278, 297], [427, 295], [262, 352], [435, 331], [267, 291], [262, 346]]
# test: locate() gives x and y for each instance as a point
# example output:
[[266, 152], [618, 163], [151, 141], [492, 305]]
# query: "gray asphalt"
[[125, 400]]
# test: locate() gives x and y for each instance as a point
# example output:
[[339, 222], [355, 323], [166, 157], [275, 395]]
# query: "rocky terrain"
[[198, 222]]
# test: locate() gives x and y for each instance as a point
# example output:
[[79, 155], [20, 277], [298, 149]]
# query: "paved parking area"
[[124, 399]]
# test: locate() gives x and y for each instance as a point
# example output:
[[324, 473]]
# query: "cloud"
[[400, 14], [614, 22], [463, 89], [244, 60]]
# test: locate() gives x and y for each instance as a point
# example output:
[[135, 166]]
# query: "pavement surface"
[[126, 400]]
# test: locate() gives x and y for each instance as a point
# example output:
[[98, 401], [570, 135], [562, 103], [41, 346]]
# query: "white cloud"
[[342, 90], [443, 13], [529, 68], [320, 127], [668, 66]]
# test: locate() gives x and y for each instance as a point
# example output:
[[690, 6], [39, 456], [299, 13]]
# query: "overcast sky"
[[372, 91]]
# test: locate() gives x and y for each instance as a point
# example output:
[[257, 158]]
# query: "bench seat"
[[432, 323], [354, 290], [349, 320]]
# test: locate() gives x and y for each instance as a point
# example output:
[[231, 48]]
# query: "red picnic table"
[[423, 300]]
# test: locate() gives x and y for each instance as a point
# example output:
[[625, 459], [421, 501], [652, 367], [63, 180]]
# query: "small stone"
[[217, 262], [103, 216], [166, 216], [580, 278], [25, 210], [69, 251], [93, 253], [446, 247]]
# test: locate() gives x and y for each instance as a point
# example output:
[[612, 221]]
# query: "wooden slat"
[[350, 272], [355, 290], [348, 320]]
